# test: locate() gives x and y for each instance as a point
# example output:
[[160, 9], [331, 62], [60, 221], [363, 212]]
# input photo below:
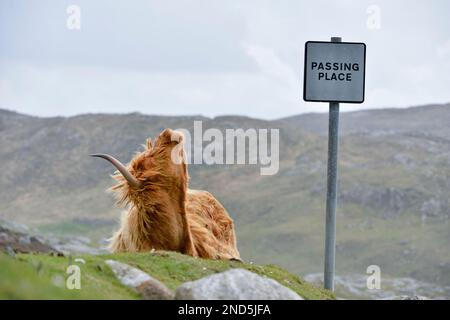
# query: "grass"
[[29, 276]]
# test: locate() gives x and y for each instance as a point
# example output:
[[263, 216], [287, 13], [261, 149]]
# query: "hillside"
[[394, 187], [39, 276]]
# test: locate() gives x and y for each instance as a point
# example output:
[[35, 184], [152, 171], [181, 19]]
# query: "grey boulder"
[[235, 284], [148, 287], [408, 298]]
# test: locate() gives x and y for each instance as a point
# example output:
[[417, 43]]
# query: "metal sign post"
[[334, 73], [330, 221]]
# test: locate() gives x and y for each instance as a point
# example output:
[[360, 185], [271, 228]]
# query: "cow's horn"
[[122, 169]]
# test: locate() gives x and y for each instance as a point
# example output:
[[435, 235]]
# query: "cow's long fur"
[[164, 214]]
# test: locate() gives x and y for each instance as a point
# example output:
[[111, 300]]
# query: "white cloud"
[[271, 65], [443, 50], [211, 58]]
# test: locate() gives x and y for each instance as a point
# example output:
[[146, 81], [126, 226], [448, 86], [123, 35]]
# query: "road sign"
[[334, 72]]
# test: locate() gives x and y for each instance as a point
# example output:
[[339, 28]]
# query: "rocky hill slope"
[[394, 189]]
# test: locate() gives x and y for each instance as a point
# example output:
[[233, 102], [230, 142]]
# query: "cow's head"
[[160, 166]]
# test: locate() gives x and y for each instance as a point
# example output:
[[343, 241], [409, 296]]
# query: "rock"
[[25, 239], [149, 288], [154, 290], [69, 245], [235, 284], [13, 241], [408, 298], [4, 237], [10, 251]]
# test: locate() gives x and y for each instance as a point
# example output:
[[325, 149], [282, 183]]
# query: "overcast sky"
[[212, 57]]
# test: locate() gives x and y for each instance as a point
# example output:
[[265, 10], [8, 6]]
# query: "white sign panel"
[[334, 72]]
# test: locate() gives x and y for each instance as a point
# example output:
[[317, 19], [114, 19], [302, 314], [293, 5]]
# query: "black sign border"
[[341, 101]]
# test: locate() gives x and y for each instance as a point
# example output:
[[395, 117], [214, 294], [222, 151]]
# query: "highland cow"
[[163, 214]]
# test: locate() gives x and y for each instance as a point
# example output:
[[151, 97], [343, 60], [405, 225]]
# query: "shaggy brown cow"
[[163, 213]]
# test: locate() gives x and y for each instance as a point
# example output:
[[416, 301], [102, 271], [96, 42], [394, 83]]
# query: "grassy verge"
[[29, 276]]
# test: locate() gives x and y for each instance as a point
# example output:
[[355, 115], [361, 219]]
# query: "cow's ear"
[[149, 144]]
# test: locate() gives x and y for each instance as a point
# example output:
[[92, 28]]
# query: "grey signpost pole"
[[330, 229], [335, 73]]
